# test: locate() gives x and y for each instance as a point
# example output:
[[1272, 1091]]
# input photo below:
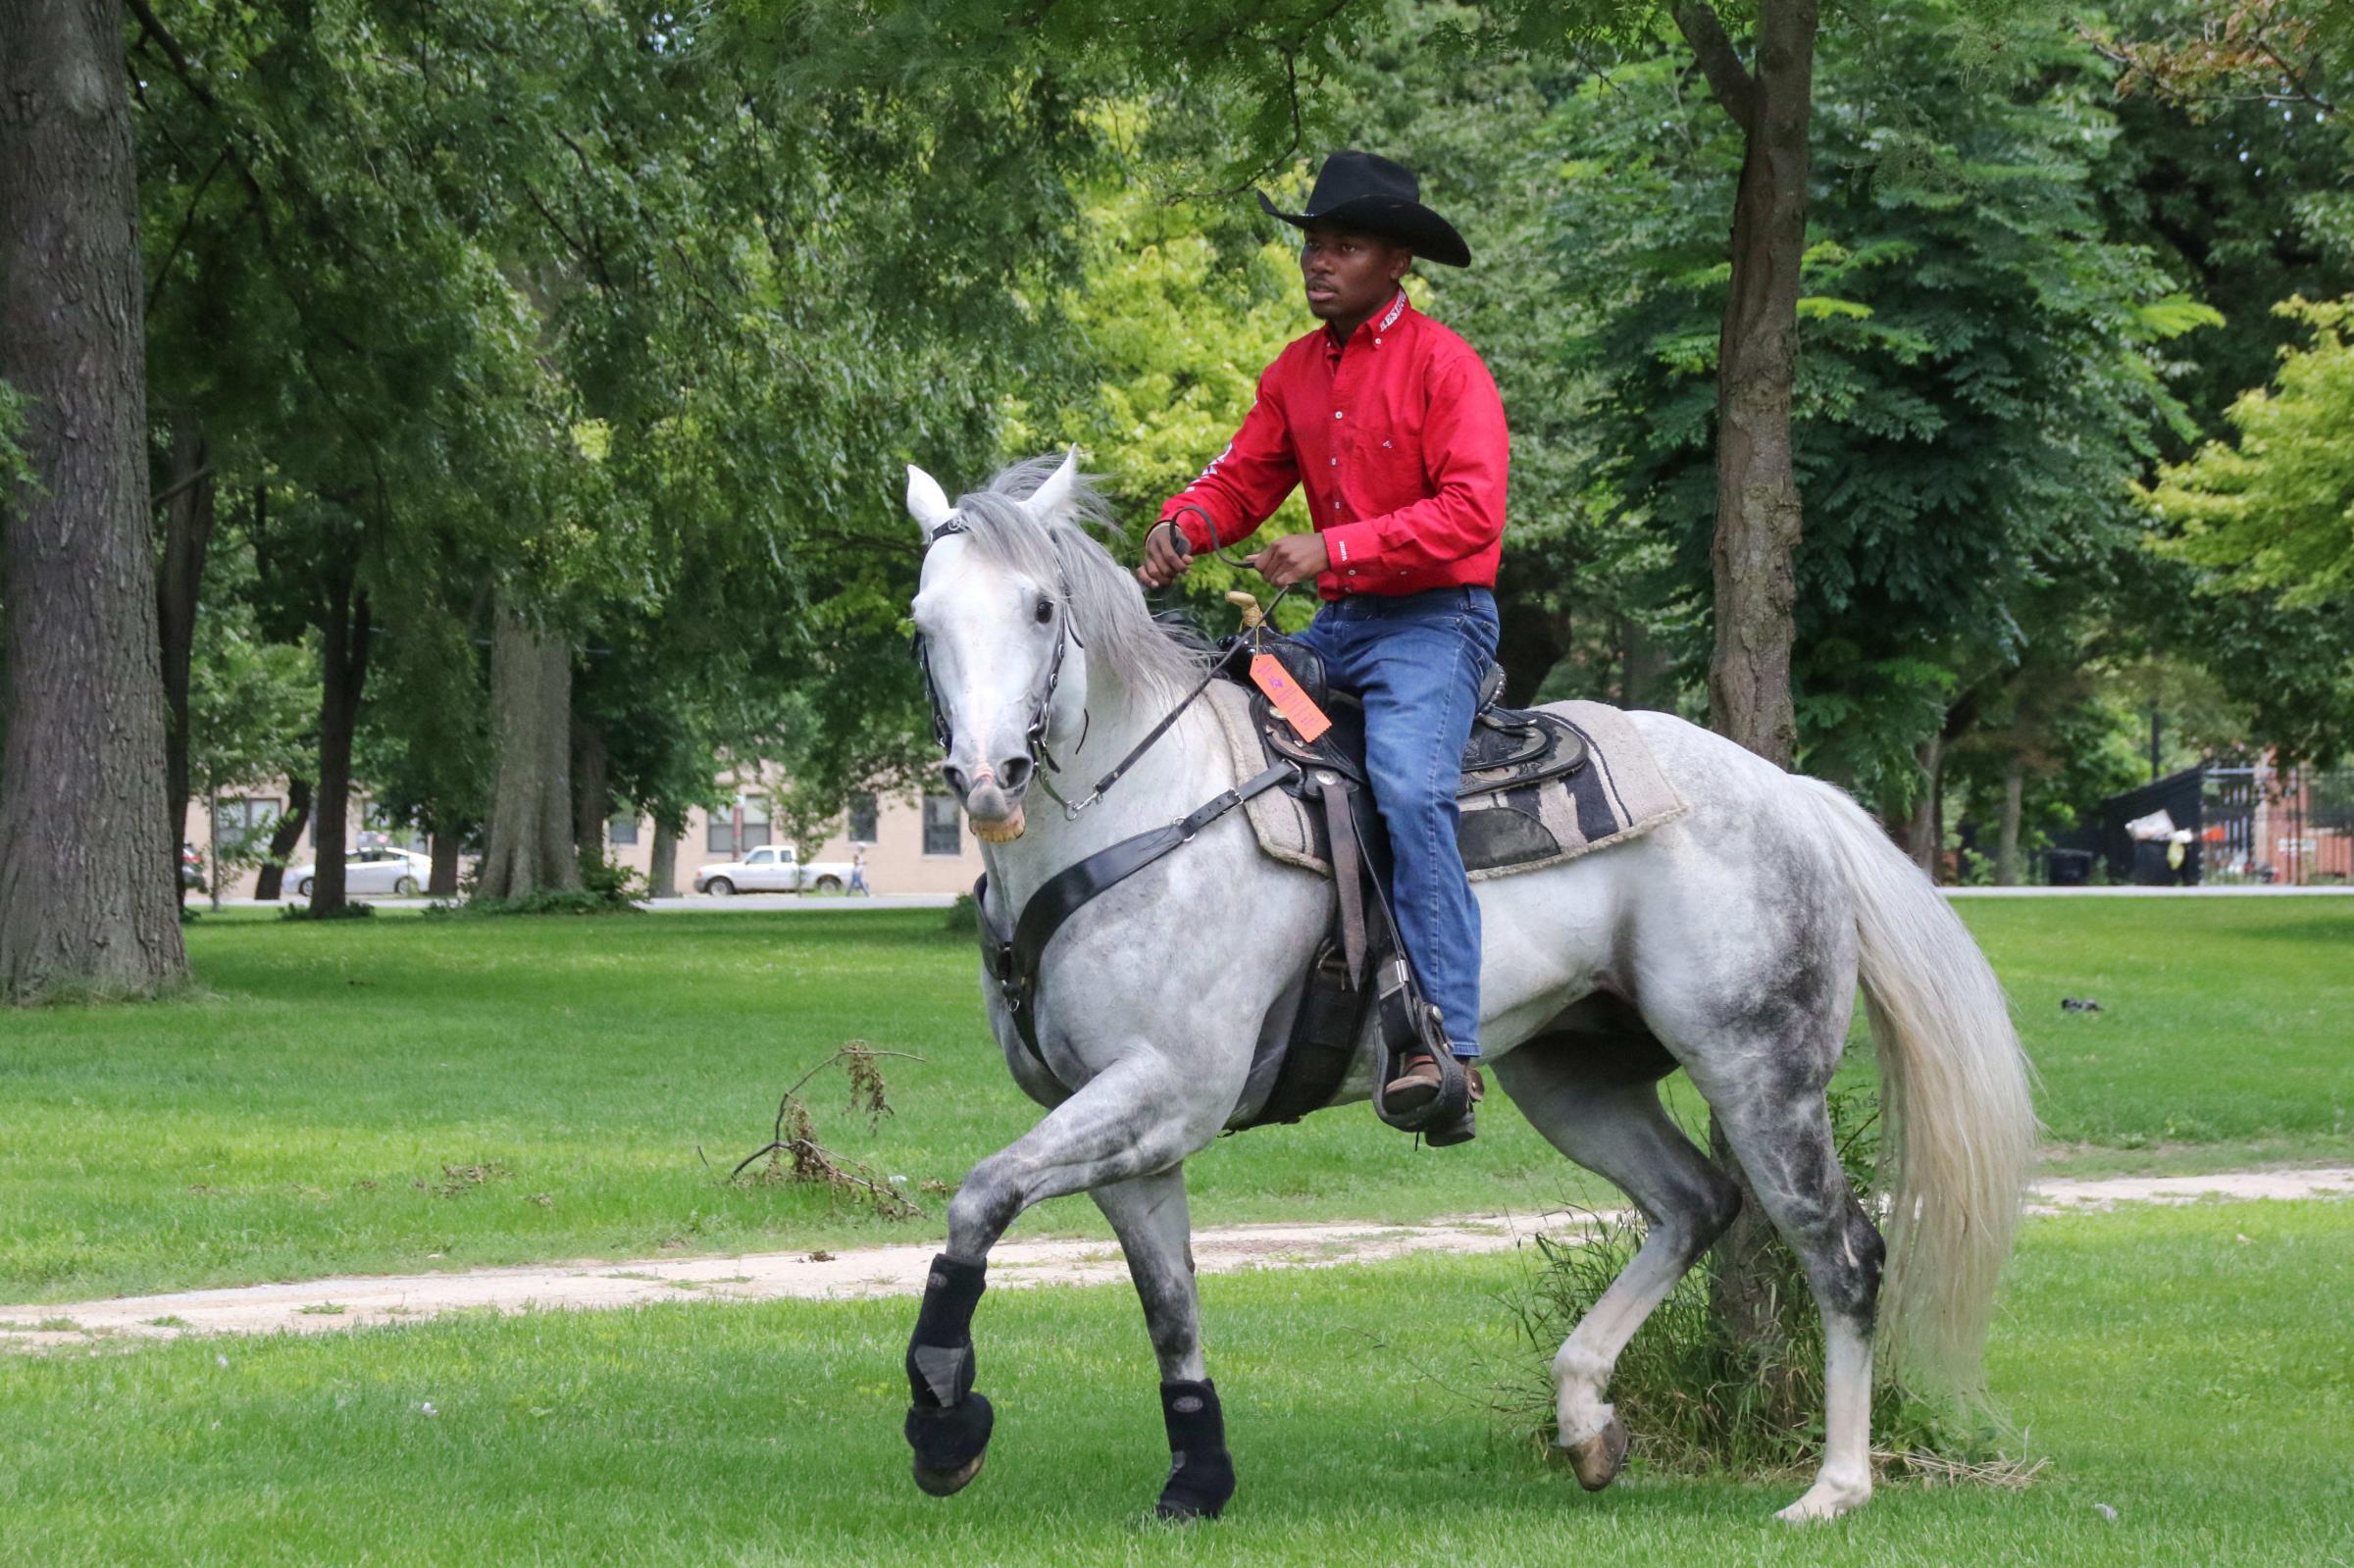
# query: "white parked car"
[[772, 869], [402, 872]]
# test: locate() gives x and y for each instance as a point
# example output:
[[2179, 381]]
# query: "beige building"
[[912, 843]]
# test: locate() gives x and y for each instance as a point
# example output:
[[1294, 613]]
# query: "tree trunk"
[[593, 792], [85, 902], [442, 879], [1757, 484], [344, 661], [187, 537], [284, 834], [1927, 834], [2006, 853], [530, 846], [211, 807], [1758, 515], [662, 872]]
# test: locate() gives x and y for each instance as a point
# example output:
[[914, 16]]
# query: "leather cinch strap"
[[1014, 963]]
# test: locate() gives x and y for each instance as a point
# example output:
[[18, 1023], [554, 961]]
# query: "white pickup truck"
[[772, 869]]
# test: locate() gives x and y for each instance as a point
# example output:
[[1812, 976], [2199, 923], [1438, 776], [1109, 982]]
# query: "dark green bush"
[[351, 910]]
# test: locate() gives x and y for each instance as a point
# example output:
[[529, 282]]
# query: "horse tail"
[[1959, 1124]]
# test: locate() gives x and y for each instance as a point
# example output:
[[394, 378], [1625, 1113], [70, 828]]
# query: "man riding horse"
[[1392, 425]]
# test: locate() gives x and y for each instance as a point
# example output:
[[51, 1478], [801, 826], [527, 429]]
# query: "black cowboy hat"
[[1366, 190]]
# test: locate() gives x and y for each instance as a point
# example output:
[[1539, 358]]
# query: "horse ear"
[[927, 502], [1054, 494]]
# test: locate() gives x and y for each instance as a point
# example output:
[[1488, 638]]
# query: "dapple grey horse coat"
[[1730, 943]]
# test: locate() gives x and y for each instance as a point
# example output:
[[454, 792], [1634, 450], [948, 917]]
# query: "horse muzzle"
[[990, 804]]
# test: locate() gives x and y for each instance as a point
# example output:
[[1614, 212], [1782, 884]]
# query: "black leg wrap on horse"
[[947, 1423], [1201, 1474]]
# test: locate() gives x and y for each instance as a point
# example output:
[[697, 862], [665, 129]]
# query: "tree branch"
[[1729, 80], [187, 224], [150, 27]]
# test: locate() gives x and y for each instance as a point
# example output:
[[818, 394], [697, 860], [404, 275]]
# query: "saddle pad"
[[1619, 794], [1282, 824]]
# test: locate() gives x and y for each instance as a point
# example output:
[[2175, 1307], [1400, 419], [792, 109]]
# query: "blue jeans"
[[1416, 660]]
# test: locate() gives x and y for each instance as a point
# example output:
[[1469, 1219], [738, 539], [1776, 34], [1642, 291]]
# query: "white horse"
[[1729, 942]]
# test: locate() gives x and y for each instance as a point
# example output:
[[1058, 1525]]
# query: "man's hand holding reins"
[[1292, 560], [1167, 556]]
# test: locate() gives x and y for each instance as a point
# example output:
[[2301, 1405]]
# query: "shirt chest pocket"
[[1389, 455]]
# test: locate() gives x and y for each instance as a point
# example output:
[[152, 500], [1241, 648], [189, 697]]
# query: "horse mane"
[[1107, 605]]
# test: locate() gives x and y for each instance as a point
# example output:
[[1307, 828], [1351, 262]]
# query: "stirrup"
[[1400, 1003]]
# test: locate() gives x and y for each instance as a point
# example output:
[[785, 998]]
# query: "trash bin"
[[2150, 868], [2067, 868]]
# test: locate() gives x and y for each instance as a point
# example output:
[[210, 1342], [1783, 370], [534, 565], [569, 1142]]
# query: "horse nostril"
[[955, 778], [1014, 772]]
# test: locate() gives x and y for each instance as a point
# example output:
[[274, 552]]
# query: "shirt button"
[[1336, 462], [1336, 413], [1378, 342]]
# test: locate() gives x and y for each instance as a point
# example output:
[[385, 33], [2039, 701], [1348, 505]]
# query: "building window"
[[240, 821], [942, 835], [622, 830], [726, 841], [862, 817]]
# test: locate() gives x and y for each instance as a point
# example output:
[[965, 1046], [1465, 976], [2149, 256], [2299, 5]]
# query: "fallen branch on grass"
[[795, 1157]]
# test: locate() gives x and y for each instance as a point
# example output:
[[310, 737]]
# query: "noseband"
[[1042, 710]]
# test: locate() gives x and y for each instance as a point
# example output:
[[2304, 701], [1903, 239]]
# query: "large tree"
[[1982, 368], [86, 898]]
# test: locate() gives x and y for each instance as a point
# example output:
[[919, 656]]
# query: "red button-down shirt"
[[1398, 438]]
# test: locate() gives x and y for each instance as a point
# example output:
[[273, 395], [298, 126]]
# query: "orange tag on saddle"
[[1270, 676]]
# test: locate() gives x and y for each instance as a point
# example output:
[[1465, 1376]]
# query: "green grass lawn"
[[404, 1095], [2185, 1368]]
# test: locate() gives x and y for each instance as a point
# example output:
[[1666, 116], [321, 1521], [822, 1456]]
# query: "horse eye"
[[1045, 609]]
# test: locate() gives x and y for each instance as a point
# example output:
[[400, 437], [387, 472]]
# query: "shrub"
[[351, 909], [608, 887]]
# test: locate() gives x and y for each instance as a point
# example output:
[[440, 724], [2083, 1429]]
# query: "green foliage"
[[1175, 336], [1978, 369], [2270, 514], [305, 914], [252, 702]]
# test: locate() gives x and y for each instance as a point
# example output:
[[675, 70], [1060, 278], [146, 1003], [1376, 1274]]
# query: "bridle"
[[1042, 709], [1040, 758]]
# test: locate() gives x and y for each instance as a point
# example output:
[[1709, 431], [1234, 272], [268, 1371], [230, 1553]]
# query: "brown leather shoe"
[[1418, 1085]]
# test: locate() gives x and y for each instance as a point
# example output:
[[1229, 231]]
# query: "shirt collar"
[[1377, 324]]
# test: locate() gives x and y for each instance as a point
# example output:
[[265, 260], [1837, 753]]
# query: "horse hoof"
[[949, 1482], [1179, 1510], [1597, 1461], [949, 1443]]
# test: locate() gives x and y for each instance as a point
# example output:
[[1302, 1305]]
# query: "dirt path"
[[314, 1306]]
